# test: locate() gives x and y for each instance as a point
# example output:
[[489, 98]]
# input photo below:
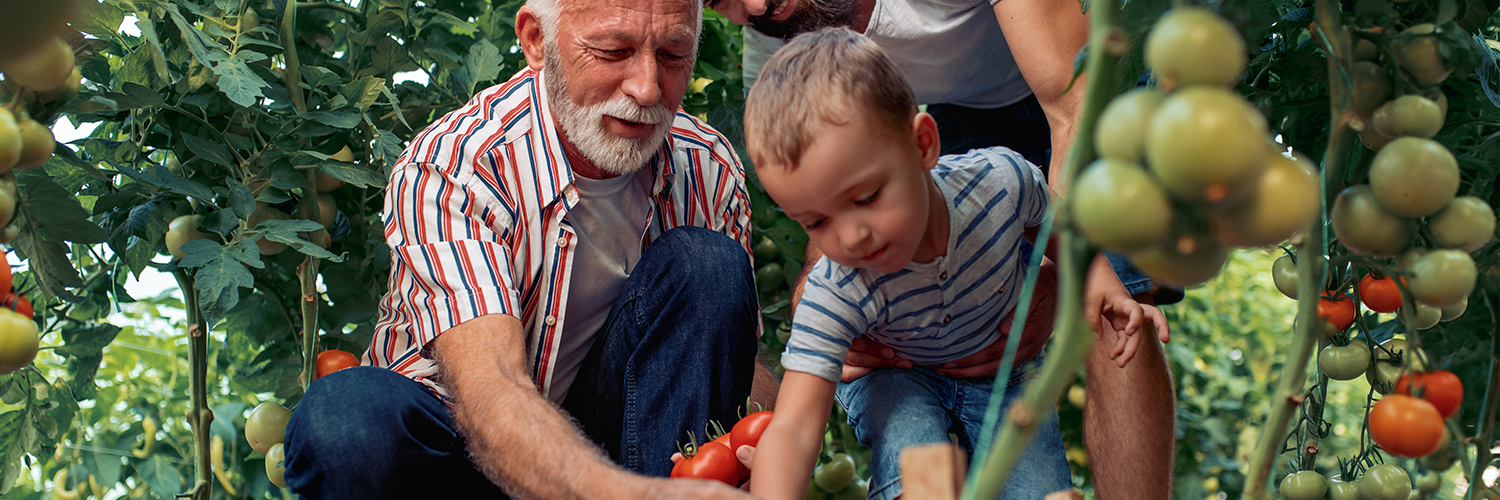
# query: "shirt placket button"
[[551, 320]]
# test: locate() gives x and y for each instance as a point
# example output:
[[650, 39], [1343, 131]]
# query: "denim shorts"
[[892, 409]]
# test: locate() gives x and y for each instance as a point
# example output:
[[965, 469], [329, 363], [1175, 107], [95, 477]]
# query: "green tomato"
[[1207, 144], [1442, 278], [857, 490], [1427, 482], [836, 474], [1338, 489], [1414, 177], [276, 465], [18, 341], [1467, 223], [1385, 482], [1344, 362], [766, 249], [1117, 205], [768, 277], [266, 425], [1193, 46], [1452, 312], [1284, 274], [1121, 131], [1303, 485], [1282, 201], [1365, 227]]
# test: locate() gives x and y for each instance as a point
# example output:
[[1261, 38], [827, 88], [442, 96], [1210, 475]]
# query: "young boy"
[[924, 254]]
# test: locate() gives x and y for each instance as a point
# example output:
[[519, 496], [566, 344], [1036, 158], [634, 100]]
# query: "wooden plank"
[[933, 472]]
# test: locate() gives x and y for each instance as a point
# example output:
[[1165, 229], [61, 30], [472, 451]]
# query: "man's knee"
[[350, 416], [701, 258]]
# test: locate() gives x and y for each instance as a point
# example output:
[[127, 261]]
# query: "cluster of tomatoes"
[[1212, 179], [716, 460], [266, 427], [39, 69]]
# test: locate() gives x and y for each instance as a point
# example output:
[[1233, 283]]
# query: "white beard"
[[584, 125]]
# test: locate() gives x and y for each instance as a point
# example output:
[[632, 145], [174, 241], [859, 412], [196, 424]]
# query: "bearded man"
[[567, 244]]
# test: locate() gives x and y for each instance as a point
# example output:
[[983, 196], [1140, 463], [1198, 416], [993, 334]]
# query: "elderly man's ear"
[[529, 33]]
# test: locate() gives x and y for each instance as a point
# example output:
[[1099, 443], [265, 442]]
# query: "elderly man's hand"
[[694, 489]]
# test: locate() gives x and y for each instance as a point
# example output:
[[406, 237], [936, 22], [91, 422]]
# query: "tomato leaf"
[[163, 478], [364, 91], [49, 264], [241, 200], [221, 272], [335, 119], [482, 64], [207, 150], [348, 172], [287, 232], [87, 340], [18, 437]]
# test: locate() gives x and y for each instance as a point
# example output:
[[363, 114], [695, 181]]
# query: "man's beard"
[[810, 15], [584, 125]]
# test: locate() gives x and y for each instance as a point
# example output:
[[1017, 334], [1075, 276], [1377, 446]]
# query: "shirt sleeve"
[[836, 307], [449, 262]]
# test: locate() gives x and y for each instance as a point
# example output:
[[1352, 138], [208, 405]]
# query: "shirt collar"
[[662, 166]]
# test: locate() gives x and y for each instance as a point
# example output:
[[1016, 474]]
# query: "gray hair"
[[547, 12]]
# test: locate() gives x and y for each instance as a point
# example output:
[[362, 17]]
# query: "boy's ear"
[[529, 34], [925, 135]]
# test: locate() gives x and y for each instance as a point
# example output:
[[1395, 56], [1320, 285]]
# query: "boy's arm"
[[788, 451]]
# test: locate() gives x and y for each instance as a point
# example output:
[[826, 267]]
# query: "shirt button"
[[562, 242], [551, 320], [943, 276], [947, 318]]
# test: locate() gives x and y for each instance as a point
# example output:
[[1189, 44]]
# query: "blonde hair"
[[834, 75]]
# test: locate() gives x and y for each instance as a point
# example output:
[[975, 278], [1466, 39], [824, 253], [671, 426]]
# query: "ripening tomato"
[[17, 303], [712, 461], [1380, 294], [1406, 426], [1339, 312], [747, 431], [1441, 388], [334, 360], [4, 276]]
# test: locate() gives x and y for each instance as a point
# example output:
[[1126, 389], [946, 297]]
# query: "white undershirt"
[[609, 220]]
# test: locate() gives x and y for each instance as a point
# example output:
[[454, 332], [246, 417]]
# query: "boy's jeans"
[[892, 409], [677, 350]]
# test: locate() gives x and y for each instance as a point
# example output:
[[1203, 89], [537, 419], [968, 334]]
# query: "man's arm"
[[518, 439], [1130, 416], [1044, 37]]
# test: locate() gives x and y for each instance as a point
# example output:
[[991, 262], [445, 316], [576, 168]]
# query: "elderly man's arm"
[[1128, 423], [522, 442]]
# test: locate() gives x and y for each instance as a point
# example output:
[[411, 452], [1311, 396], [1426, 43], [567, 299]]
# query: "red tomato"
[[1406, 426], [1339, 312], [334, 360], [4, 276], [1380, 294], [17, 303], [1441, 388], [747, 431], [712, 461]]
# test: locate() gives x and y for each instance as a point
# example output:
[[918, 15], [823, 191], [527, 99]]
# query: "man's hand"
[[694, 489], [866, 355], [746, 456]]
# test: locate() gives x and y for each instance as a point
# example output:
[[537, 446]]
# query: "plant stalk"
[[199, 416], [307, 273], [1485, 427], [1073, 336], [1312, 263]]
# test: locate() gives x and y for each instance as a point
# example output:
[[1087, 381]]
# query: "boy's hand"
[[1125, 344], [1116, 316]]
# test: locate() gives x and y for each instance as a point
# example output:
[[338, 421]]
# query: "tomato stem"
[[1313, 263], [199, 417]]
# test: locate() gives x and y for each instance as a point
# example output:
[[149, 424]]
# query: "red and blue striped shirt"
[[474, 216]]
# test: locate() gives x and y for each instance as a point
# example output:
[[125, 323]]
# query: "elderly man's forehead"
[[686, 9]]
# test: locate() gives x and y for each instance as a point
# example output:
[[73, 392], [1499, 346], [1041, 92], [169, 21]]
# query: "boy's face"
[[862, 193]]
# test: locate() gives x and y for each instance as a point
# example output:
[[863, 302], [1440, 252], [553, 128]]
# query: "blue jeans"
[[892, 409], [677, 350]]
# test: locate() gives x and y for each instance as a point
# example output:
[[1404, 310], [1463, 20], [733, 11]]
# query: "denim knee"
[[702, 261]]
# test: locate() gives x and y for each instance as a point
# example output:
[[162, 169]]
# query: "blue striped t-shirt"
[[939, 311]]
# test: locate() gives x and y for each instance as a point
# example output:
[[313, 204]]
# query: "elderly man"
[[995, 73], [567, 239]]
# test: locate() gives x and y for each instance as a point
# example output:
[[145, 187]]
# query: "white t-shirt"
[[610, 221], [950, 51]]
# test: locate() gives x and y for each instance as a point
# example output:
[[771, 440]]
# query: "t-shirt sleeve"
[[1031, 187], [836, 307], [758, 50], [448, 262]]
